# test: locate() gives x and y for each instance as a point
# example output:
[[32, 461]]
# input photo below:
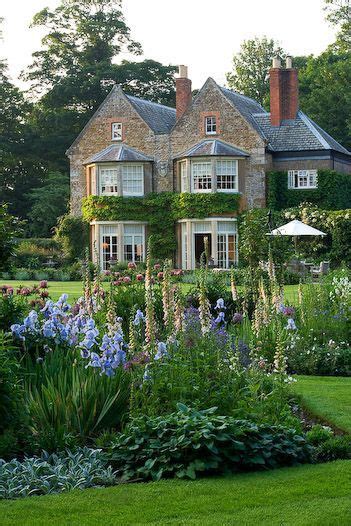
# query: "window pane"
[[108, 180], [109, 250], [116, 131], [202, 176], [133, 179], [210, 124], [226, 175]]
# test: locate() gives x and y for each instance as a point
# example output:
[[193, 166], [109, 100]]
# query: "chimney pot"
[[288, 62], [276, 62], [183, 72]]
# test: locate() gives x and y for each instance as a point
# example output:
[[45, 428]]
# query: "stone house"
[[217, 141]]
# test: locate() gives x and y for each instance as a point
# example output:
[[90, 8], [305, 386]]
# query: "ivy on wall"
[[161, 212], [333, 192]]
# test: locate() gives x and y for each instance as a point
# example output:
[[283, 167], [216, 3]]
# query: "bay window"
[[210, 175], [302, 179]]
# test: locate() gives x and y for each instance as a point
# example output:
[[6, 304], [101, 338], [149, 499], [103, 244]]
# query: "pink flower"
[[117, 283], [157, 266], [44, 293], [160, 276], [126, 279], [131, 265], [116, 274], [107, 272], [139, 277], [24, 291], [43, 284], [9, 290]]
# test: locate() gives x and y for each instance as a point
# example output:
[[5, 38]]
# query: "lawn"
[[74, 288], [327, 397], [306, 495]]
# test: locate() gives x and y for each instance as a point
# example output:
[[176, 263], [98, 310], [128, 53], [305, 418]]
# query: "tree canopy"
[[249, 75]]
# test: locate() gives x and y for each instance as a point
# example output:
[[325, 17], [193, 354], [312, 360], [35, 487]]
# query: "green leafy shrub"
[[55, 473], [33, 254], [318, 434], [11, 393], [188, 443], [72, 233], [336, 447], [67, 403], [12, 309], [10, 227]]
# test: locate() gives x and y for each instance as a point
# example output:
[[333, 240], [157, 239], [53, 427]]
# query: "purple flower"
[[238, 317]]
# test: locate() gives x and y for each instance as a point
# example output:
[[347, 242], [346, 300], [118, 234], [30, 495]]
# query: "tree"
[[325, 93], [19, 170], [249, 75], [84, 39], [338, 13], [10, 228], [48, 202]]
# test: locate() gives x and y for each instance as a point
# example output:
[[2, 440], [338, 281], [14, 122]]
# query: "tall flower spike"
[[233, 288], [279, 356], [150, 324], [179, 311], [87, 284], [204, 306], [167, 298]]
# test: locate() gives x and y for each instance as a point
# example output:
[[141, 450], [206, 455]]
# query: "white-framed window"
[[226, 244], [132, 179], [184, 186], [134, 243], [116, 131], [210, 125], [227, 175], [108, 181], [109, 246], [201, 176], [302, 179]]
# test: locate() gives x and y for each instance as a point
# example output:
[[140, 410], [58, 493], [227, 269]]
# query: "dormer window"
[[304, 179], [211, 125], [116, 131]]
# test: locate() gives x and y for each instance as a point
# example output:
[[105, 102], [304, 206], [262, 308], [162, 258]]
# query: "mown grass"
[[74, 288], [306, 495], [327, 397]]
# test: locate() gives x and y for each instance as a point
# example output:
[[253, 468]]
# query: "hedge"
[[333, 192]]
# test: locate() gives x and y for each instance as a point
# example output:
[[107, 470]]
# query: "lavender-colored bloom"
[[238, 317], [291, 325], [220, 304], [139, 317], [220, 318], [85, 353], [18, 330], [161, 351], [49, 329]]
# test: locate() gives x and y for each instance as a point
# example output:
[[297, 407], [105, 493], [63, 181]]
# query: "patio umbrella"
[[295, 229]]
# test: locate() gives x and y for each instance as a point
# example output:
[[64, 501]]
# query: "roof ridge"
[[150, 102], [310, 125]]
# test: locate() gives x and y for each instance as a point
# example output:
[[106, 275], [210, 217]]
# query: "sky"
[[202, 34]]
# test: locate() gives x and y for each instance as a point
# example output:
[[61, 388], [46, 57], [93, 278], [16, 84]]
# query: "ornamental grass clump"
[[190, 443]]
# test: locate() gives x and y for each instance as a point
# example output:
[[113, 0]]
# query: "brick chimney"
[[284, 91], [183, 91]]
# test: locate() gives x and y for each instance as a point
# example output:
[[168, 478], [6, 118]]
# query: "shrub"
[[46, 474], [187, 443], [67, 403], [336, 447], [12, 309], [318, 434], [73, 235], [11, 394], [10, 227]]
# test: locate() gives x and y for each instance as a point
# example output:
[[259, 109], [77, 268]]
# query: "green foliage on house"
[[160, 211], [333, 192]]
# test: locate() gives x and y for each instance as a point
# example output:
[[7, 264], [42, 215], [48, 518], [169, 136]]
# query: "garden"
[[151, 374]]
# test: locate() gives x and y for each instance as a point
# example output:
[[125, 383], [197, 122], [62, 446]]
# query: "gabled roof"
[[117, 152], [213, 147], [160, 118], [296, 135], [246, 106]]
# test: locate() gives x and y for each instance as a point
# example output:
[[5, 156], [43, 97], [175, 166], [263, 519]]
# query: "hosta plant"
[[188, 443]]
